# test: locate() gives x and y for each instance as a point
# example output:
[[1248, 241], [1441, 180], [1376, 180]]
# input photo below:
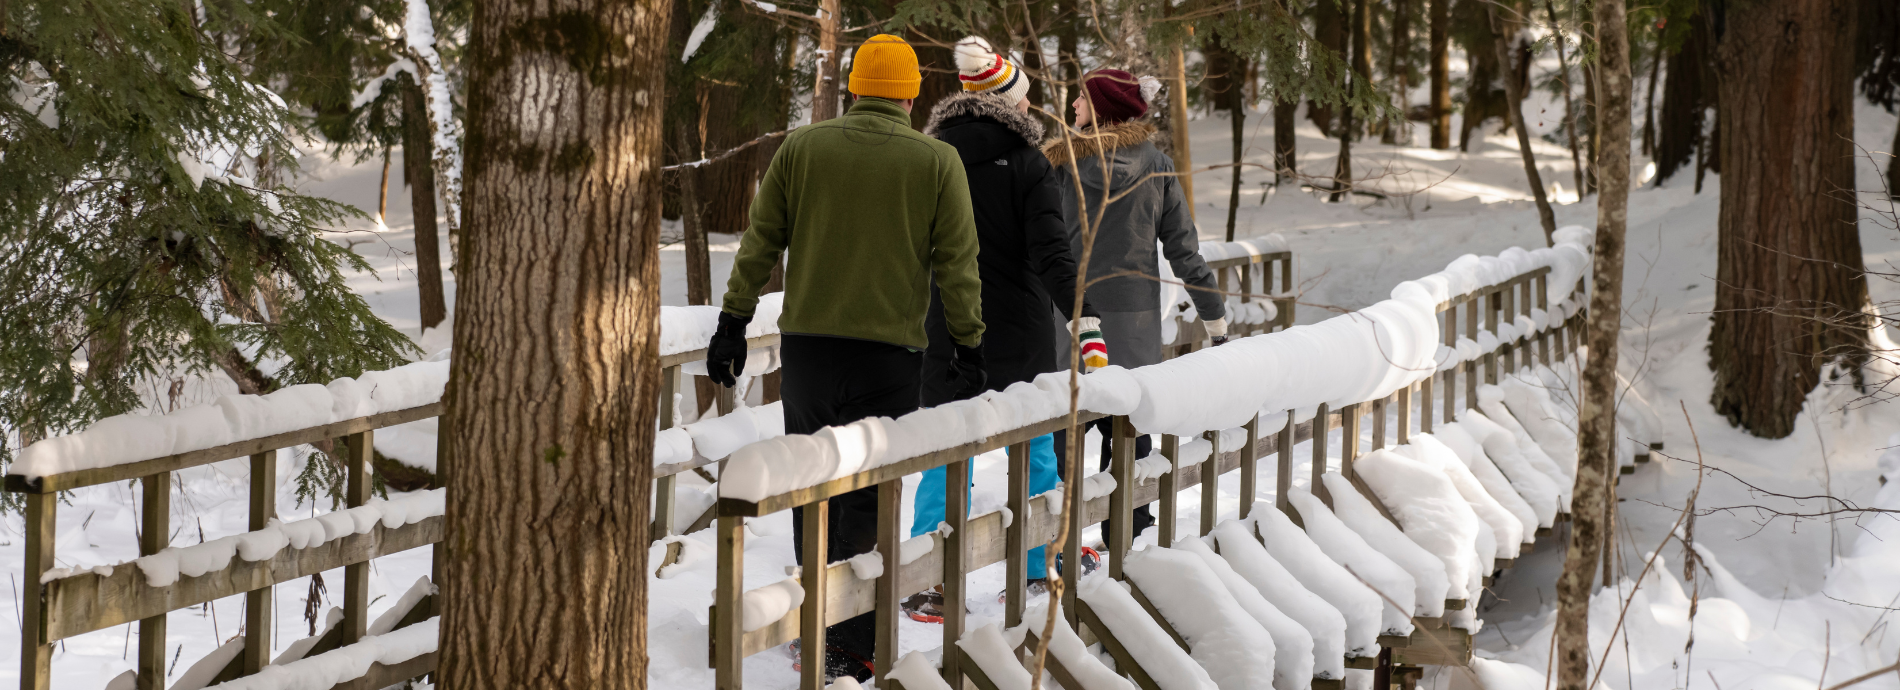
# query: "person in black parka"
[[1024, 258]]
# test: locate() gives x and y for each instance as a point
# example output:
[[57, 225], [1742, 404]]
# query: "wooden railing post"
[[257, 603], [1451, 372], [1286, 305], [1479, 302], [1405, 411], [663, 519], [1121, 501], [1492, 305], [1378, 422], [1210, 482], [1072, 547], [1249, 459], [890, 500], [956, 512], [1016, 538], [1322, 424], [361, 448], [1170, 508], [36, 654], [1543, 303], [1348, 444], [1283, 466], [728, 611], [154, 535], [811, 621]]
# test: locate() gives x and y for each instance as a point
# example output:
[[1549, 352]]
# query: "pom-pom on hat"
[[1118, 96], [983, 71], [885, 67]]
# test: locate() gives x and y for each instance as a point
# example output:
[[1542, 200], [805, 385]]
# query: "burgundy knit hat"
[[1116, 96]]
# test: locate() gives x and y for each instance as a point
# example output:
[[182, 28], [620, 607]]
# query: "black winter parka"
[[1024, 255]]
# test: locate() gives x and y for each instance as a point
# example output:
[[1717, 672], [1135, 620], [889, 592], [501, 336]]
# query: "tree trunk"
[[1068, 55], [1286, 160], [1178, 124], [1570, 109], [826, 91], [1680, 130], [1790, 281], [418, 153], [1893, 166], [1398, 130], [1329, 30], [1226, 87], [1361, 52], [1590, 123], [1503, 37], [1441, 74], [1596, 420], [549, 420], [937, 85], [1342, 173], [1649, 103]]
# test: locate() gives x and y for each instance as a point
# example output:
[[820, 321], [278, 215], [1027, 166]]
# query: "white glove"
[[1216, 328]]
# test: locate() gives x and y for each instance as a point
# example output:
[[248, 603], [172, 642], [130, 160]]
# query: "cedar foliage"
[[149, 228]]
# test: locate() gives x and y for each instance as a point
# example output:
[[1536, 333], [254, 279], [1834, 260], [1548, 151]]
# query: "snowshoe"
[[925, 606]]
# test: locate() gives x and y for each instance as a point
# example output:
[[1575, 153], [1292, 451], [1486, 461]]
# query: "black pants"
[[831, 382], [1144, 445]]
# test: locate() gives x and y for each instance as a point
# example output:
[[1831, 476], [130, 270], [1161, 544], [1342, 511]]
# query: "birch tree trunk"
[[1596, 420], [1790, 275], [549, 420]]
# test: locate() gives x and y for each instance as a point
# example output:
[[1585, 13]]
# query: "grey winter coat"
[[1150, 209]]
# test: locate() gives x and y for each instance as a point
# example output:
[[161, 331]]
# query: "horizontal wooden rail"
[[896, 470], [1234, 261], [678, 358], [67, 481], [87, 602]]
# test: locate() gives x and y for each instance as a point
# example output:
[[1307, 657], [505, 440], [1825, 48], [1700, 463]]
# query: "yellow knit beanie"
[[885, 67]]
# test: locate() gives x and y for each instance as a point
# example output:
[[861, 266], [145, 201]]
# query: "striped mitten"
[[1094, 348]]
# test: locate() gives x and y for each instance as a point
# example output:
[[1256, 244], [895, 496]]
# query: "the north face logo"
[[1002, 161]]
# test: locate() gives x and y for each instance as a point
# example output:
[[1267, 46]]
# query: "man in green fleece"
[[869, 211]]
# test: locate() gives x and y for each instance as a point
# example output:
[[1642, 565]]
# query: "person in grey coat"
[[1148, 210]]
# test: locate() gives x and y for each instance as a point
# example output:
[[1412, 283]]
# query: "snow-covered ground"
[[1776, 604]]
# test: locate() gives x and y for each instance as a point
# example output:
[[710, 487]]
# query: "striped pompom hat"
[[983, 71]]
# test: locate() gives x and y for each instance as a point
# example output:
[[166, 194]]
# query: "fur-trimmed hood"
[[981, 105], [1093, 141]]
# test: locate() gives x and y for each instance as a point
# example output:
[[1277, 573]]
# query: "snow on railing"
[[1331, 373]]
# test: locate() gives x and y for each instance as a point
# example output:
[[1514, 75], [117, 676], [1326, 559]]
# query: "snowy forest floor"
[[1779, 603]]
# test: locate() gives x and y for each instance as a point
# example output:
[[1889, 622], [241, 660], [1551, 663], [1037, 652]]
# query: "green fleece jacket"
[[868, 210]]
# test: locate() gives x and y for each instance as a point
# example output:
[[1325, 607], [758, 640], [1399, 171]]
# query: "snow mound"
[[1506, 528], [1229, 643], [1320, 575], [1292, 644], [329, 669], [1144, 639], [1242, 550], [1067, 649], [1430, 511], [1366, 564]]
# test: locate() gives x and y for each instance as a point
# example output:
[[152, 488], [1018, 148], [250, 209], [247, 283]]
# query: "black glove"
[[725, 355], [966, 372], [1219, 340]]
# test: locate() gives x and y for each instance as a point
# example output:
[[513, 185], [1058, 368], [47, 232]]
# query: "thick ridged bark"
[[1679, 131], [1596, 421], [417, 154], [549, 422], [1790, 281]]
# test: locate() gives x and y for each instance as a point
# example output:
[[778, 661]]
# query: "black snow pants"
[[830, 382], [1144, 444]]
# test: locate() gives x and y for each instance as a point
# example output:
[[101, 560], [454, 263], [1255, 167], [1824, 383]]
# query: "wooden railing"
[[59, 608], [1245, 272], [834, 594]]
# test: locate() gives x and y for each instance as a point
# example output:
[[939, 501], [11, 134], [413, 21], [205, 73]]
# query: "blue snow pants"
[[1042, 477]]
